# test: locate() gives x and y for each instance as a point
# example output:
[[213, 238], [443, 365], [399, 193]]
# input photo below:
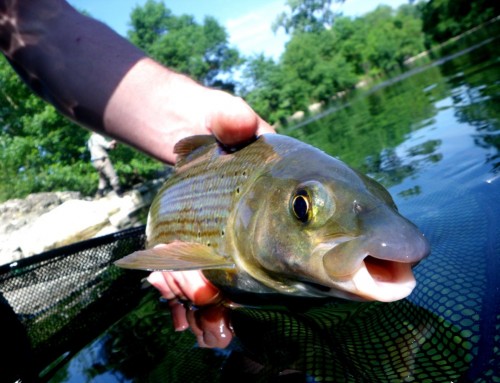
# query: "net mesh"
[[54, 303]]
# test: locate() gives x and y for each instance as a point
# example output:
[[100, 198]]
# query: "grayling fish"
[[280, 216]]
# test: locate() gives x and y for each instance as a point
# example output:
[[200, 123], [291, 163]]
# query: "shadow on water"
[[432, 137]]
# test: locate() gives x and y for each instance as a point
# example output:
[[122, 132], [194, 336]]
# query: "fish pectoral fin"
[[175, 256]]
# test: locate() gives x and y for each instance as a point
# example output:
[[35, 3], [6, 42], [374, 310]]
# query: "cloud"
[[252, 33], [355, 8]]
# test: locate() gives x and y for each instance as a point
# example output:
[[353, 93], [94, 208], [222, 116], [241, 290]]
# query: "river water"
[[432, 137]]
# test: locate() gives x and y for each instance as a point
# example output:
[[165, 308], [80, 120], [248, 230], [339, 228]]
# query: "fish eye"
[[301, 206], [312, 203]]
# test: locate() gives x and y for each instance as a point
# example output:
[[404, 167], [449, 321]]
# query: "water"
[[432, 137]]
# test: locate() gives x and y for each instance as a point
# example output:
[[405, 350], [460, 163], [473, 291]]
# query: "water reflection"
[[337, 341], [391, 169], [366, 129], [476, 95]]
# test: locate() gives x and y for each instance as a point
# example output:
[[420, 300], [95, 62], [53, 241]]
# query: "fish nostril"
[[357, 207]]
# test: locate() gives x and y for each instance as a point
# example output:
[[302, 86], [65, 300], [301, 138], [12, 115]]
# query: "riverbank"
[[45, 221]]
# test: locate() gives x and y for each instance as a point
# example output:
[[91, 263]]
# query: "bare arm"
[[100, 80]]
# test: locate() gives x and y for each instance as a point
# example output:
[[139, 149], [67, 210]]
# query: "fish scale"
[[196, 201]]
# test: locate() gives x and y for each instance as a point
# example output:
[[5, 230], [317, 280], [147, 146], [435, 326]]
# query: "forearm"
[[100, 80], [153, 108], [65, 56], [93, 75]]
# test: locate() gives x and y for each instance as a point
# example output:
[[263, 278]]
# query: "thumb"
[[232, 121]]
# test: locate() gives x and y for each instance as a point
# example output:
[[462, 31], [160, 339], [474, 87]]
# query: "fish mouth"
[[372, 267], [383, 280]]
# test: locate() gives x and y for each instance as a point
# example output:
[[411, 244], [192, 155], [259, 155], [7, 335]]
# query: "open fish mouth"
[[371, 267], [383, 280]]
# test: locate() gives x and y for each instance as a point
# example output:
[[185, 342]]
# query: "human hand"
[[232, 121], [153, 108], [123, 94], [210, 322]]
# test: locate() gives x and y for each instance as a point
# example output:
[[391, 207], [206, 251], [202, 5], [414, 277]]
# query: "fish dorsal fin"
[[175, 256], [188, 145]]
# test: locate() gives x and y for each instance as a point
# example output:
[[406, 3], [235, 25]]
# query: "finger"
[[215, 321], [195, 287], [231, 119], [210, 325], [264, 127], [176, 283], [178, 312], [193, 324], [157, 280], [165, 283]]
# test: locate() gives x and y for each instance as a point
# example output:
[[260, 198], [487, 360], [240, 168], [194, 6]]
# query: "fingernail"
[[210, 339], [180, 328], [179, 325]]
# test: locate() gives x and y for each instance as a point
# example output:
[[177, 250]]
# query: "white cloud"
[[356, 8], [252, 33]]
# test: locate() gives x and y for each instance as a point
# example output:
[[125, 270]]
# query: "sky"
[[248, 22]]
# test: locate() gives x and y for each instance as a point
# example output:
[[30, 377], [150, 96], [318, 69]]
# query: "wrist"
[[153, 107]]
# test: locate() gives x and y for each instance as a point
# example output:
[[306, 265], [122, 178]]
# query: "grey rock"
[[45, 221]]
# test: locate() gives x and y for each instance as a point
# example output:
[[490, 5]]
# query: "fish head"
[[311, 225]]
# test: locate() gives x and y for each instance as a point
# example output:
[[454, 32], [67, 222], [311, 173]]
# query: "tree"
[[306, 16], [443, 19], [321, 62], [40, 150], [392, 37], [179, 42], [314, 61], [263, 82]]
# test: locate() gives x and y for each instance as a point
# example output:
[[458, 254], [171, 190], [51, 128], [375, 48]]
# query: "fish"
[[279, 216]]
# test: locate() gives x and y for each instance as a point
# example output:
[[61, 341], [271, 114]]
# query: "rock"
[[316, 107], [73, 221], [17, 213], [46, 221], [297, 115]]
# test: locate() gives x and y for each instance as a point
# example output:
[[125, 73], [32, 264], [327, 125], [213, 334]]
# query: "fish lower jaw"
[[383, 281]]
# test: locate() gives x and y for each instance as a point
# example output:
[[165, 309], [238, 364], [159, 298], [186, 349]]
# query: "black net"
[[54, 303]]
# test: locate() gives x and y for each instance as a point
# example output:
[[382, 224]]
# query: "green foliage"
[[179, 42], [390, 38], [306, 16], [317, 65], [133, 167], [443, 19], [313, 61], [40, 150], [325, 57], [264, 88]]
